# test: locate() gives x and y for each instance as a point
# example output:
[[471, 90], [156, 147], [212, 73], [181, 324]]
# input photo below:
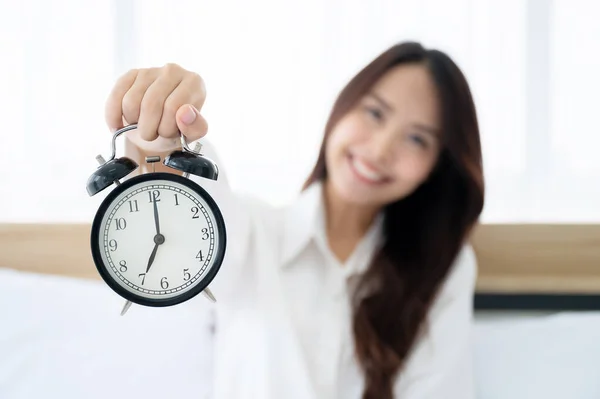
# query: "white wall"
[[273, 69]]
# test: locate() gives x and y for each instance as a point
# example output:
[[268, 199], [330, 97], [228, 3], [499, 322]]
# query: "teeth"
[[365, 171]]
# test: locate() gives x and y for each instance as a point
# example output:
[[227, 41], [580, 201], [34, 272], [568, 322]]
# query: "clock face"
[[158, 239]]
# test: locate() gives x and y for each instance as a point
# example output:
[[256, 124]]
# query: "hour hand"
[[152, 256]]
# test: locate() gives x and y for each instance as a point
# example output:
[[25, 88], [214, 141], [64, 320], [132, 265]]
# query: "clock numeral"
[[186, 275], [195, 210], [164, 283], [112, 244], [176, 199], [205, 234], [200, 256], [153, 196], [143, 276], [133, 206], [123, 267], [121, 223]]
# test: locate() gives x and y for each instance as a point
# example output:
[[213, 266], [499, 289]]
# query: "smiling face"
[[386, 145]]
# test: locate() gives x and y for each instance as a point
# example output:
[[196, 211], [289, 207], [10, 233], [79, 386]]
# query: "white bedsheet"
[[553, 356], [64, 338]]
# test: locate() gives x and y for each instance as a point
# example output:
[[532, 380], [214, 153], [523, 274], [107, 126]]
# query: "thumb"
[[190, 123]]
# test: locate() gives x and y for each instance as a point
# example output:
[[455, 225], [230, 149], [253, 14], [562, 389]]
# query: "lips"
[[365, 172]]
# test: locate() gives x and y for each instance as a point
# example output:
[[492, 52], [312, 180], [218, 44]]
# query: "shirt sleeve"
[[441, 364], [233, 208]]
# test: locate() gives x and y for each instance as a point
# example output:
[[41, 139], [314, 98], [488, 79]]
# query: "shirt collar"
[[301, 221], [305, 221]]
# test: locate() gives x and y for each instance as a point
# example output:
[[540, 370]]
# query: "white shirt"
[[283, 319]]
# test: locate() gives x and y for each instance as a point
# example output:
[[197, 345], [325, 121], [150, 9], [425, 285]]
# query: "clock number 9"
[[112, 244]]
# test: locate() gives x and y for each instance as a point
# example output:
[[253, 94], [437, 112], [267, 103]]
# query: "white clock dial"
[[183, 250]]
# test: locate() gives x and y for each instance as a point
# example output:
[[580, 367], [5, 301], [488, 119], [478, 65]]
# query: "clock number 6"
[[164, 283]]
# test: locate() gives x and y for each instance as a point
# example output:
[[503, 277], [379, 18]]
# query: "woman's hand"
[[163, 102]]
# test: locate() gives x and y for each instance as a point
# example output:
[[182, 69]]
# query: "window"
[[273, 70]]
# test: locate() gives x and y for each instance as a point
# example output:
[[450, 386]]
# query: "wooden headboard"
[[556, 259], [62, 249]]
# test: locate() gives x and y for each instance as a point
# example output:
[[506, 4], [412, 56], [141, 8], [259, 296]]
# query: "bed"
[[62, 336]]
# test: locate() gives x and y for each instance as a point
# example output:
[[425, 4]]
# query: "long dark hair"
[[424, 232]]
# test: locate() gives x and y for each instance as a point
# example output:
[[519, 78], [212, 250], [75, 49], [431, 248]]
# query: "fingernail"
[[189, 115]]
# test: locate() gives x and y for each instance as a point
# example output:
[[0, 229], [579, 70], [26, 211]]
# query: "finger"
[[190, 123], [113, 112], [132, 100], [152, 104], [191, 91]]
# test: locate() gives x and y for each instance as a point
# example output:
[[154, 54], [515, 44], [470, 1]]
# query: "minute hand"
[[156, 222]]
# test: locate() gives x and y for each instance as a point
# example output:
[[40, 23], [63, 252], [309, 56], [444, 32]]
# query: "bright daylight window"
[[272, 71]]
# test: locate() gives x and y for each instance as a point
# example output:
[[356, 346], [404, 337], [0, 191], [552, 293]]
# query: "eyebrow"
[[381, 101], [427, 129], [419, 126]]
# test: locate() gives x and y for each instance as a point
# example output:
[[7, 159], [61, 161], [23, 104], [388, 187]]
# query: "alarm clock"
[[157, 239]]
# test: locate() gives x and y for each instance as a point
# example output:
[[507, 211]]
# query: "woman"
[[361, 288]]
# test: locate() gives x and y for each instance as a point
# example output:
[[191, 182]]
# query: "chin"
[[363, 193]]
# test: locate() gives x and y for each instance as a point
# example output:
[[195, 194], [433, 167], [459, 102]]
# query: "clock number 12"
[[153, 196]]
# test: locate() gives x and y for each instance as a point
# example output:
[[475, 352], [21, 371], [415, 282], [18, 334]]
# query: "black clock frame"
[[219, 251]]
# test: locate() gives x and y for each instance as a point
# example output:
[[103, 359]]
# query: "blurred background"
[[273, 70]]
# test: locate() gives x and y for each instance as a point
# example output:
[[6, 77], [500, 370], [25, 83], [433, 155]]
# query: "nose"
[[382, 147]]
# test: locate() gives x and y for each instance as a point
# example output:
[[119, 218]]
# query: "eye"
[[418, 140], [374, 113]]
